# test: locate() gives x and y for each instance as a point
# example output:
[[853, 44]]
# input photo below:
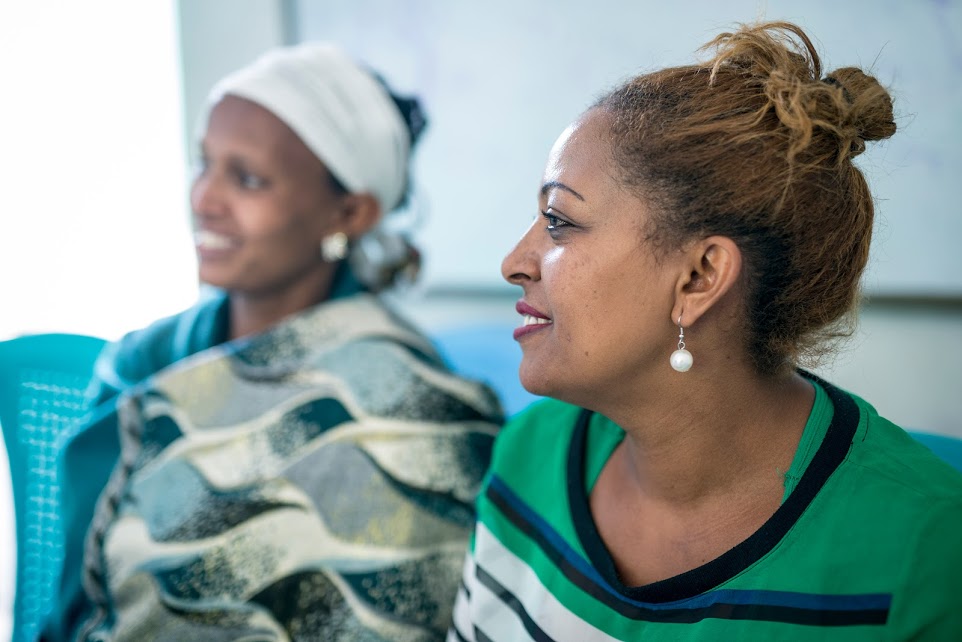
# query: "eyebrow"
[[558, 185]]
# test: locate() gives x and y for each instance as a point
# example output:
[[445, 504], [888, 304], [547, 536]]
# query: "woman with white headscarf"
[[287, 459]]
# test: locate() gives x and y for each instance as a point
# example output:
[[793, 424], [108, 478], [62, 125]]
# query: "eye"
[[555, 225], [248, 180]]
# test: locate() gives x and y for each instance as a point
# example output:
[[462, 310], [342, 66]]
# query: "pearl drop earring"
[[334, 247], [681, 359]]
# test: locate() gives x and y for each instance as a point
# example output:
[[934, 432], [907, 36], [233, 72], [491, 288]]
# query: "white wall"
[[906, 359], [218, 36], [502, 78]]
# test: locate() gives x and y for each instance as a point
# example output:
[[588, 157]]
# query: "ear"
[[712, 267], [359, 213]]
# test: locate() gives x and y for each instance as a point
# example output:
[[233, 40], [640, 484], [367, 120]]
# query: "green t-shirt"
[[867, 544]]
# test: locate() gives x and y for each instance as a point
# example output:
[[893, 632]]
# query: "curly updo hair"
[[756, 145]]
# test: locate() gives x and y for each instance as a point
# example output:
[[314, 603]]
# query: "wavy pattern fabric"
[[313, 483]]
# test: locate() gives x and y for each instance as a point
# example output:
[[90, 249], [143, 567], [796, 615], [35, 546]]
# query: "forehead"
[[581, 158], [245, 126], [584, 135]]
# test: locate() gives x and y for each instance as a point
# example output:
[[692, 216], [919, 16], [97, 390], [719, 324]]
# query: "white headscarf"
[[339, 110]]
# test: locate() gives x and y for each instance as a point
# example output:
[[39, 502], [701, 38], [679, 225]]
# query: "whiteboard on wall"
[[501, 79]]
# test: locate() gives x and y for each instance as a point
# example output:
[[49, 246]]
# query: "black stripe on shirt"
[[510, 600]]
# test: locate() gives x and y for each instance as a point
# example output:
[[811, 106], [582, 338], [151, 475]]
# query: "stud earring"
[[681, 359], [334, 247]]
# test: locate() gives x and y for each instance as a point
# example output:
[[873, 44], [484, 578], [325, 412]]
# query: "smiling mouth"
[[531, 320], [207, 240], [531, 324]]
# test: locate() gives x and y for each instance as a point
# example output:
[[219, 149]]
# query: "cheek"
[[575, 284], [575, 277], [286, 221], [607, 304]]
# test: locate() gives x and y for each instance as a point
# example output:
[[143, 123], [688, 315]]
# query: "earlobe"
[[713, 267]]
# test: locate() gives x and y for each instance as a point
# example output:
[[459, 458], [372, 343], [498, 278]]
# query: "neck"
[[255, 312], [688, 445]]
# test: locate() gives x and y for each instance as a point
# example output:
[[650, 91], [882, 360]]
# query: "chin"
[[569, 391], [536, 383], [213, 279]]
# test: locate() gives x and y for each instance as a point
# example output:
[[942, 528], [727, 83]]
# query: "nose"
[[522, 265]]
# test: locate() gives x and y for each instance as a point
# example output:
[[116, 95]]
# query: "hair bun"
[[409, 107], [414, 117], [870, 105], [848, 105]]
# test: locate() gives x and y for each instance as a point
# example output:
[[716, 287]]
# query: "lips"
[[532, 320]]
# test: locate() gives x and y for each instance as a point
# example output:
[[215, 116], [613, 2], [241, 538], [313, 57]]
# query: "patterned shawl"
[[315, 482]]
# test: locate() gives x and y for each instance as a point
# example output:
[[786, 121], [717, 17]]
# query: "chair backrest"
[[946, 447], [43, 380]]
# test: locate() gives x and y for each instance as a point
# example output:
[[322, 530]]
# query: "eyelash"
[[249, 181], [244, 179], [556, 224]]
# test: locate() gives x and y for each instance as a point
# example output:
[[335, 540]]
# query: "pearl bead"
[[681, 360]]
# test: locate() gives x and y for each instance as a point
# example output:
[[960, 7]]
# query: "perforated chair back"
[[43, 379]]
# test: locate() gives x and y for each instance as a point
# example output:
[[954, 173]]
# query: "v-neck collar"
[[830, 454]]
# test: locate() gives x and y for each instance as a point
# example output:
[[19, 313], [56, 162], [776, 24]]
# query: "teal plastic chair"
[[43, 380]]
